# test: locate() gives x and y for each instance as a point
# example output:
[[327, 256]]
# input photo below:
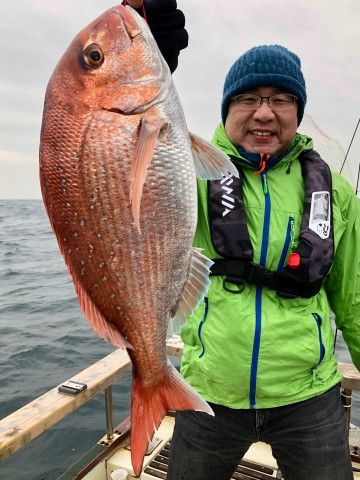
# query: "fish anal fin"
[[144, 150], [210, 162], [150, 404], [194, 291]]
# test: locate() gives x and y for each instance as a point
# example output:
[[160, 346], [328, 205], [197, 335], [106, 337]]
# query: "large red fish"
[[118, 173]]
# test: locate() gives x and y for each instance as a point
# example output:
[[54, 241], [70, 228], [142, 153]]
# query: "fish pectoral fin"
[[210, 162], [144, 150], [194, 291]]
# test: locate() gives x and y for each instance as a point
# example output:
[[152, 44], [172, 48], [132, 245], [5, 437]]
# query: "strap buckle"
[[237, 281], [261, 276]]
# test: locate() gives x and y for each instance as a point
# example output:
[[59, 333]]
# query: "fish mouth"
[[127, 113], [117, 110]]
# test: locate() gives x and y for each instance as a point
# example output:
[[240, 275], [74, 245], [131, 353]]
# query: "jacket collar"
[[252, 160]]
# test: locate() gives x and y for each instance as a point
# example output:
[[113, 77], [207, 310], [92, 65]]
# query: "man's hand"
[[167, 24], [135, 3]]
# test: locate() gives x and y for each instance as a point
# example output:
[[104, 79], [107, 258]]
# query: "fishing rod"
[[358, 173], [352, 139], [356, 192]]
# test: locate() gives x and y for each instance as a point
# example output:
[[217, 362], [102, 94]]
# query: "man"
[[285, 238]]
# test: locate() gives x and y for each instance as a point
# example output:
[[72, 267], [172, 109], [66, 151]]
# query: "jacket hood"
[[240, 156]]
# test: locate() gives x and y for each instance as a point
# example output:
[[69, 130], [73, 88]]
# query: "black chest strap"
[[231, 240]]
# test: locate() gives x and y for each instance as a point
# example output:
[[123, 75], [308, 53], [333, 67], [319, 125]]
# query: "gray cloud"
[[35, 33]]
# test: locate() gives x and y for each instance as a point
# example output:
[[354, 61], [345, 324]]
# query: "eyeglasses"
[[277, 101]]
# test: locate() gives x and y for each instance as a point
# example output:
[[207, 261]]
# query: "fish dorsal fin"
[[210, 162], [97, 321], [144, 150], [195, 289]]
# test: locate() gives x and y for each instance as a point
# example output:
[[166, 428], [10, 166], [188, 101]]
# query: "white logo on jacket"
[[227, 200], [319, 221]]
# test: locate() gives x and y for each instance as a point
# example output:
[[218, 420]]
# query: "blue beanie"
[[265, 66]]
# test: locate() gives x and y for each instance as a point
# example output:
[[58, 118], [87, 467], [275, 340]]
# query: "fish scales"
[[118, 177]]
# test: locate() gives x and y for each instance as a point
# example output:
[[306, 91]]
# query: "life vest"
[[308, 264]]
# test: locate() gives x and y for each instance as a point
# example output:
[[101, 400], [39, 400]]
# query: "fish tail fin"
[[149, 406]]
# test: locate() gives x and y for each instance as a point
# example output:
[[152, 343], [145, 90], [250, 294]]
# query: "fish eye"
[[94, 56]]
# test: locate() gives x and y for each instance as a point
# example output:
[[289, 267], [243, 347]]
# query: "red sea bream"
[[118, 172]]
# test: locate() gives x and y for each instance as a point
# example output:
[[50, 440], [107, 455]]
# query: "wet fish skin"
[[118, 179]]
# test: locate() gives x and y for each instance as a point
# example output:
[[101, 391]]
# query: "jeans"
[[308, 440]]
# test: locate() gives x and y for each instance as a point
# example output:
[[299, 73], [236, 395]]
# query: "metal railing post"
[[109, 412], [346, 395]]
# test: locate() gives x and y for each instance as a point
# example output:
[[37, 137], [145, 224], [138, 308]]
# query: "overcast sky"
[[324, 33]]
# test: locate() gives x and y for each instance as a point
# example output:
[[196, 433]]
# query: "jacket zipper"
[[318, 320], [206, 301], [289, 240], [258, 300]]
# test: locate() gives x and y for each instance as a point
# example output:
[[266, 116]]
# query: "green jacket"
[[256, 349]]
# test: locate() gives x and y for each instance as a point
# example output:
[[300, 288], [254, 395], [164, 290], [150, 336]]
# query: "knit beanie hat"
[[265, 66]]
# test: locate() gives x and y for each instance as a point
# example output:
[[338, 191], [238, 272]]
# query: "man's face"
[[262, 130]]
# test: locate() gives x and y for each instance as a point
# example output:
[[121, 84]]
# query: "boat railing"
[[22, 426]]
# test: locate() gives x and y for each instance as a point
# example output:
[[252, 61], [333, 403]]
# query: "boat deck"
[[258, 463], [112, 452]]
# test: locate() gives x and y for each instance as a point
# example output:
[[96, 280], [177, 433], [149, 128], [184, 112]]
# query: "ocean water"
[[44, 340]]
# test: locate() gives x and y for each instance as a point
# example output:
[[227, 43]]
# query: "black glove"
[[167, 25]]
